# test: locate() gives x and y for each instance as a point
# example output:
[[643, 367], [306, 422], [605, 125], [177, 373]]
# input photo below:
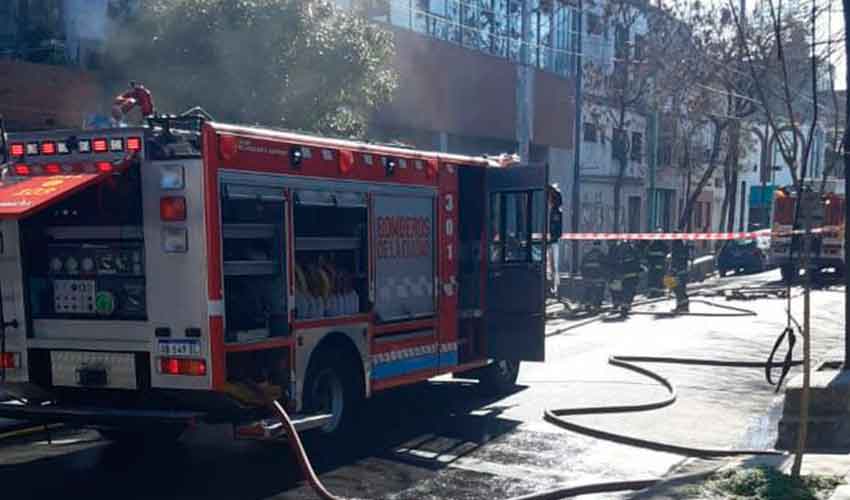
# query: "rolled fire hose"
[[556, 417]]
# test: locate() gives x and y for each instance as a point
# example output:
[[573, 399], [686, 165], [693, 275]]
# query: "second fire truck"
[[826, 218], [192, 271]]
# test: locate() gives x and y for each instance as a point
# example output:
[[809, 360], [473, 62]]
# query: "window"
[[640, 46], [665, 154], [590, 132], [621, 42], [594, 24], [636, 150], [618, 144], [517, 226]]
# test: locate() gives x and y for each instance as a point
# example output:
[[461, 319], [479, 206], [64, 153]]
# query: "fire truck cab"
[[192, 271]]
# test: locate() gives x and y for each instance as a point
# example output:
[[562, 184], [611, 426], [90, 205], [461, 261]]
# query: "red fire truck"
[[191, 271], [826, 212]]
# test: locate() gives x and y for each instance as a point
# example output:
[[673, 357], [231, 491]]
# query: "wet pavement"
[[442, 441]]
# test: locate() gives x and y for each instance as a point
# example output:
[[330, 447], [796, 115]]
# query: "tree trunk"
[[618, 192], [803, 431], [706, 176], [732, 191], [732, 187]]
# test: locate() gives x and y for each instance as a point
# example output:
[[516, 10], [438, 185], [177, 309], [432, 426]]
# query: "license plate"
[[179, 347]]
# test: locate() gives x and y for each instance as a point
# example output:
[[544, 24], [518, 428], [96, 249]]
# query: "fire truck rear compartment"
[[83, 258]]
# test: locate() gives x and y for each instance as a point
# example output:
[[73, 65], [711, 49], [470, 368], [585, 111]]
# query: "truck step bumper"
[[95, 416], [272, 428]]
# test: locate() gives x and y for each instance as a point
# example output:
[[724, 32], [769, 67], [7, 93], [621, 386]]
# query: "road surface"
[[442, 441]]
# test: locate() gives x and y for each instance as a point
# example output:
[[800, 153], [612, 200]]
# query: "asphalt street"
[[440, 440]]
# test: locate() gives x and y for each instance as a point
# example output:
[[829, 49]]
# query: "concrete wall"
[[446, 88], [38, 96]]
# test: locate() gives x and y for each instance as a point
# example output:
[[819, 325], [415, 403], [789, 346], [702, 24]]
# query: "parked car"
[[742, 256]]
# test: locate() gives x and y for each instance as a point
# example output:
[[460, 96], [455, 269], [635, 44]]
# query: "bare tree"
[[623, 92], [784, 46]]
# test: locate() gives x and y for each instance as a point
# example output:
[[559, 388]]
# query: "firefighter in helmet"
[[656, 262], [680, 254], [593, 272], [630, 261], [625, 263]]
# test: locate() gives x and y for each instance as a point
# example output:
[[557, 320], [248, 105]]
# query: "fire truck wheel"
[[146, 437], [498, 377], [333, 386]]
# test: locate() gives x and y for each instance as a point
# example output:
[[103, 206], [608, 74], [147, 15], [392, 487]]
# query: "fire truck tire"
[[147, 437], [333, 384], [498, 377]]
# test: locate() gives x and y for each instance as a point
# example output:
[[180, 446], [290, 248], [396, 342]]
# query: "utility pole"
[[846, 154], [653, 165], [578, 128]]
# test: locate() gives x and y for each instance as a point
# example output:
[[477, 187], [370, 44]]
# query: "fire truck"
[[826, 212], [188, 271]]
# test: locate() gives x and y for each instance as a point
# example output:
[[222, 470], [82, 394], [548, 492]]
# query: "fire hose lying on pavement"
[[556, 417]]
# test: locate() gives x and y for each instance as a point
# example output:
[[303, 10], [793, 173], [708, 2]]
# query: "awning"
[[23, 196]]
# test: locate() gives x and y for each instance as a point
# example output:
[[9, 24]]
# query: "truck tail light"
[[134, 144], [99, 145], [22, 169], [48, 148], [183, 366], [32, 148], [9, 360], [84, 146], [53, 168], [104, 167], [116, 144], [175, 240], [17, 149], [172, 208]]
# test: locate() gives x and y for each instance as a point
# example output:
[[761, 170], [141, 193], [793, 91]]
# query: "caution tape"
[[740, 235]]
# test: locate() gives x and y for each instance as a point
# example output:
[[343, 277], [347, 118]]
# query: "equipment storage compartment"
[[85, 256], [254, 264], [331, 258]]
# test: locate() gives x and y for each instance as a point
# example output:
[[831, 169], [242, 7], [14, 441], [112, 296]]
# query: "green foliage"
[[768, 484], [298, 64]]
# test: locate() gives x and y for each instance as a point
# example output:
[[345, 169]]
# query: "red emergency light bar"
[[99, 145], [105, 167]]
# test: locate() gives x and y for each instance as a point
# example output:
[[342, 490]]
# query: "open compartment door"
[[516, 271], [23, 196]]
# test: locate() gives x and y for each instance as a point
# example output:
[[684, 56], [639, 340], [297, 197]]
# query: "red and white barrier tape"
[[742, 235]]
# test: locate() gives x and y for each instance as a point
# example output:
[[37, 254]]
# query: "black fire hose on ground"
[[556, 417]]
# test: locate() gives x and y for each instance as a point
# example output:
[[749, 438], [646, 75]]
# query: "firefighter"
[[680, 255], [624, 260], [593, 266], [656, 262], [615, 274], [629, 260]]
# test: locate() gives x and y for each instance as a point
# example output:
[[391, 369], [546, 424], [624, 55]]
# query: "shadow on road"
[[409, 433]]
